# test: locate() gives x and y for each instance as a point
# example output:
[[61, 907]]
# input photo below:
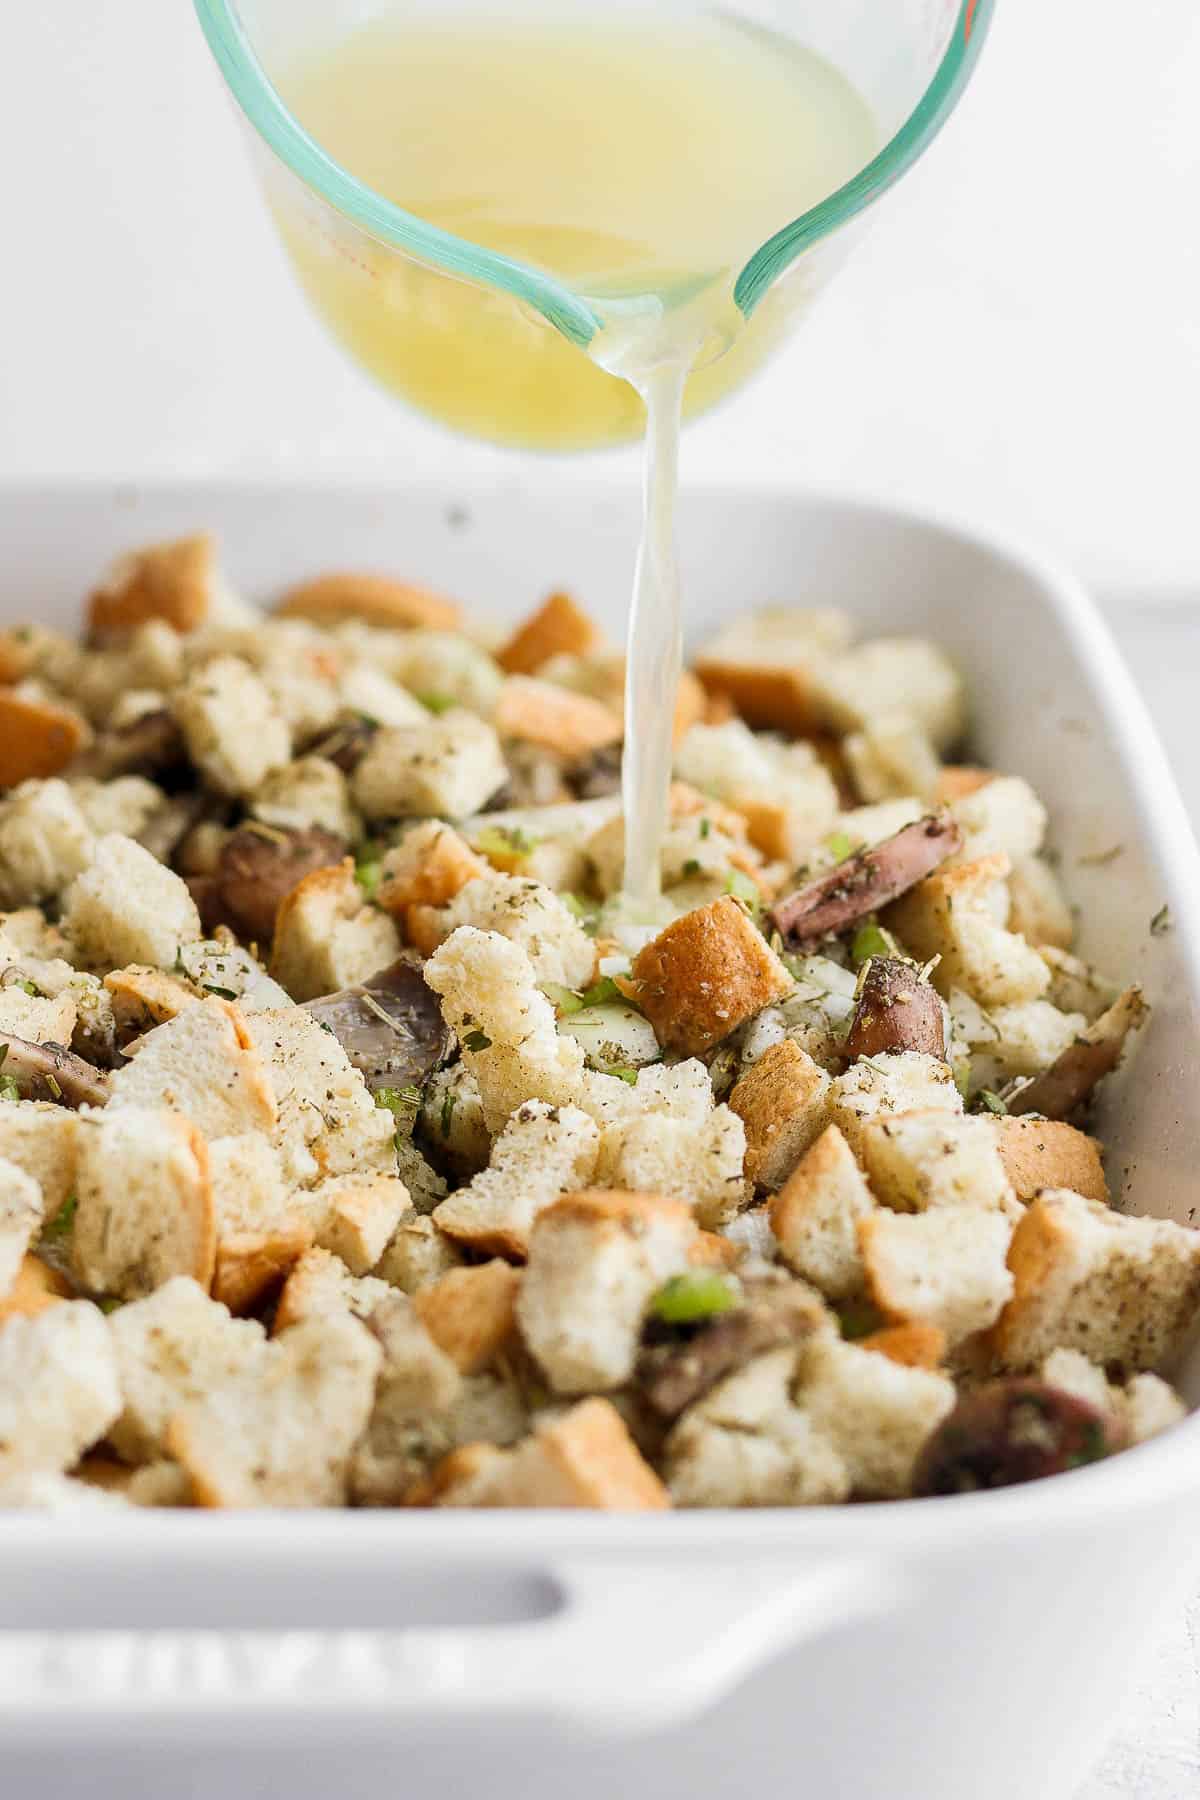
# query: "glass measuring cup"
[[413, 300]]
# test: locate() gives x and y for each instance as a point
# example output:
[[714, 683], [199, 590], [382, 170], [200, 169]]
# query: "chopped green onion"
[[564, 999], [64, 1218], [739, 884], [1161, 922], [505, 841], [477, 1040], [705, 826], [108, 1303], [623, 1072], [690, 1299], [437, 703], [691, 866], [52, 1084], [402, 1103], [991, 1101], [26, 987], [179, 967], [962, 1079], [858, 1318], [221, 993], [603, 993], [839, 844], [449, 1098], [8, 1088], [368, 872], [872, 940]]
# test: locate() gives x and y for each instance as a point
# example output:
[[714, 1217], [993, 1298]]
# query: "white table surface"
[[1019, 340]]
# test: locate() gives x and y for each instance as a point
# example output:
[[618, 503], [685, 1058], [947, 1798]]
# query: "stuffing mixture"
[[356, 1149]]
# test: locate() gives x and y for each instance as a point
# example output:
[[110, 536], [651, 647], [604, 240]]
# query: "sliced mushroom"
[[390, 1026], [896, 1010], [1011, 1431], [346, 744], [51, 1072], [259, 865], [147, 747], [1066, 1084], [596, 776], [671, 1374], [866, 881]]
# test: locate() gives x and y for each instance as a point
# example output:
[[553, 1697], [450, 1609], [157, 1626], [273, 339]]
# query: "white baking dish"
[[970, 1648]]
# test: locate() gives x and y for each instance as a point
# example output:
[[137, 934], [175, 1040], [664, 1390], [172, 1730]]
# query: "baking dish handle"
[[629, 1649]]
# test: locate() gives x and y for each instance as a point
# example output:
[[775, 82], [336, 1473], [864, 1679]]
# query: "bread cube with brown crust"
[[145, 1207], [377, 600], [251, 1442], [35, 1286], [816, 1213], [356, 1215], [176, 582], [58, 1388], [471, 1313], [251, 1265], [22, 1209], [558, 628], [1047, 1153], [43, 1139], [234, 732], [204, 1064], [704, 975], [319, 1285], [916, 1161], [38, 737], [783, 1102], [945, 1267], [419, 1254], [1038, 909], [171, 1348], [328, 937], [699, 1161], [950, 916], [916, 1345], [1123, 1290], [428, 867], [584, 1457], [530, 711], [893, 1082], [143, 997], [542, 1153], [445, 767], [525, 912], [127, 907], [595, 1260], [875, 1412]]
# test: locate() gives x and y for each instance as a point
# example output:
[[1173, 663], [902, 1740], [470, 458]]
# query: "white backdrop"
[[1020, 337]]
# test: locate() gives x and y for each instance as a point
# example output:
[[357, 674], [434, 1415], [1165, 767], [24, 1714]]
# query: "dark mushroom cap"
[[259, 865], [1011, 1431]]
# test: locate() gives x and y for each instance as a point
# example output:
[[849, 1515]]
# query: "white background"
[[1018, 340]]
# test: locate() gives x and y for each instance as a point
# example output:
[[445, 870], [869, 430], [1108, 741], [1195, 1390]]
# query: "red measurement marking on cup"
[[969, 21]]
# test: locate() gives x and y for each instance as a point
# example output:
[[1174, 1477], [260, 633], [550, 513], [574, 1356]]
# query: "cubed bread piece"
[[876, 1413], [172, 1349], [176, 582], [505, 1023], [919, 1160], [542, 1153], [34, 1017], [945, 1267], [309, 791], [892, 1082], [952, 915], [891, 757], [234, 733], [204, 1064], [428, 867], [1038, 908], [252, 1442], [320, 1285], [745, 1443], [30, 1490], [448, 766], [471, 1313], [1146, 1404], [916, 1345], [699, 1162], [378, 600], [253, 1264], [550, 717], [419, 1254], [126, 804], [1123, 1290], [34, 1287], [1002, 816], [584, 1457], [784, 1103], [595, 1260], [526, 913], [145, 1209], [451, 1119], [367, 691], [816, 1213], [22, 1209], [328, 937], [706, 974], [327, 1122], [44, 842], [864, 682], [42, 1139], [1047, 1153], [249, 1190], [417, 1389], [143, 997], [37, 737], [356, 1216], [557, 628], [58, 1387], [127, 907], [764, 665], [1028, 1038]]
